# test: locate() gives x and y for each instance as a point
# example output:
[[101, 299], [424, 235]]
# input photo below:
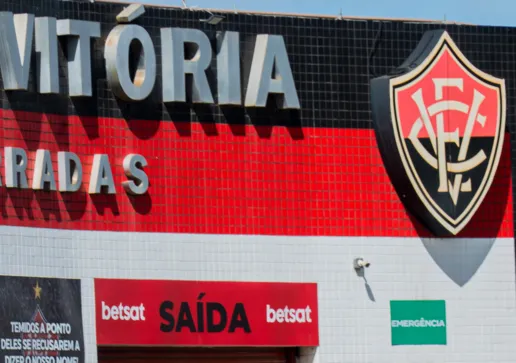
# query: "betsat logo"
[[123, 312], [288, 315]]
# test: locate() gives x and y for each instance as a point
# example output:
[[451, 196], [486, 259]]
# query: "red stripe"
[[227, 179]]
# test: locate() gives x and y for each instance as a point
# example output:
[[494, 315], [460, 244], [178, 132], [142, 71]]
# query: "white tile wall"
[[476, 277]]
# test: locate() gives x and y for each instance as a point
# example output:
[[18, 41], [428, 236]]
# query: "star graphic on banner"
[[37, 291]]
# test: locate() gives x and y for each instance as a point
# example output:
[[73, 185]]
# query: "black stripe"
[[329, 60]]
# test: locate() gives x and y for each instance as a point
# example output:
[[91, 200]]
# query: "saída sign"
[[205, 313], [440, 126]]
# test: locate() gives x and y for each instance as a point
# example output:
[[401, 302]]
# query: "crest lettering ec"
[[440, 125]]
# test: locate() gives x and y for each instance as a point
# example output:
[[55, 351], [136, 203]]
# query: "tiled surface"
[[329, 182], [475, 277], [221, 180], [325, 174], [331, 61]]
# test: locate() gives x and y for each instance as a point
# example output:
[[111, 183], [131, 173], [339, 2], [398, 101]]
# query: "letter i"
[[200, 314]]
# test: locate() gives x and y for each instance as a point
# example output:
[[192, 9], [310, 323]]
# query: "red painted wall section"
[[226, 179]]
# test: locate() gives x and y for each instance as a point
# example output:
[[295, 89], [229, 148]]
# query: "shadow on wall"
[[361, 273], [459, 258]]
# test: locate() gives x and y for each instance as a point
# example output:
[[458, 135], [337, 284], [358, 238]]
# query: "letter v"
[[454, 189], [16, 33]]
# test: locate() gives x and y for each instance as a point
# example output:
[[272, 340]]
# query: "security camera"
[[359, 263]]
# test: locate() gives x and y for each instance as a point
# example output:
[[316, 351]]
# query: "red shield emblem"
[[440, 125]]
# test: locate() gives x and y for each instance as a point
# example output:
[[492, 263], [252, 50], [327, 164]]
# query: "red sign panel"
[[205, 313]]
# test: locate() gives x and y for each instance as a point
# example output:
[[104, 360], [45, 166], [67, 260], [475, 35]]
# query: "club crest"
[[440, 125]]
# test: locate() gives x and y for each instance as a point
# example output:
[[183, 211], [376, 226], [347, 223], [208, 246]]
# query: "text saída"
[[210, 317]]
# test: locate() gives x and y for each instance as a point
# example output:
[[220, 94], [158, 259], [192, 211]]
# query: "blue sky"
[[484, 12]]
